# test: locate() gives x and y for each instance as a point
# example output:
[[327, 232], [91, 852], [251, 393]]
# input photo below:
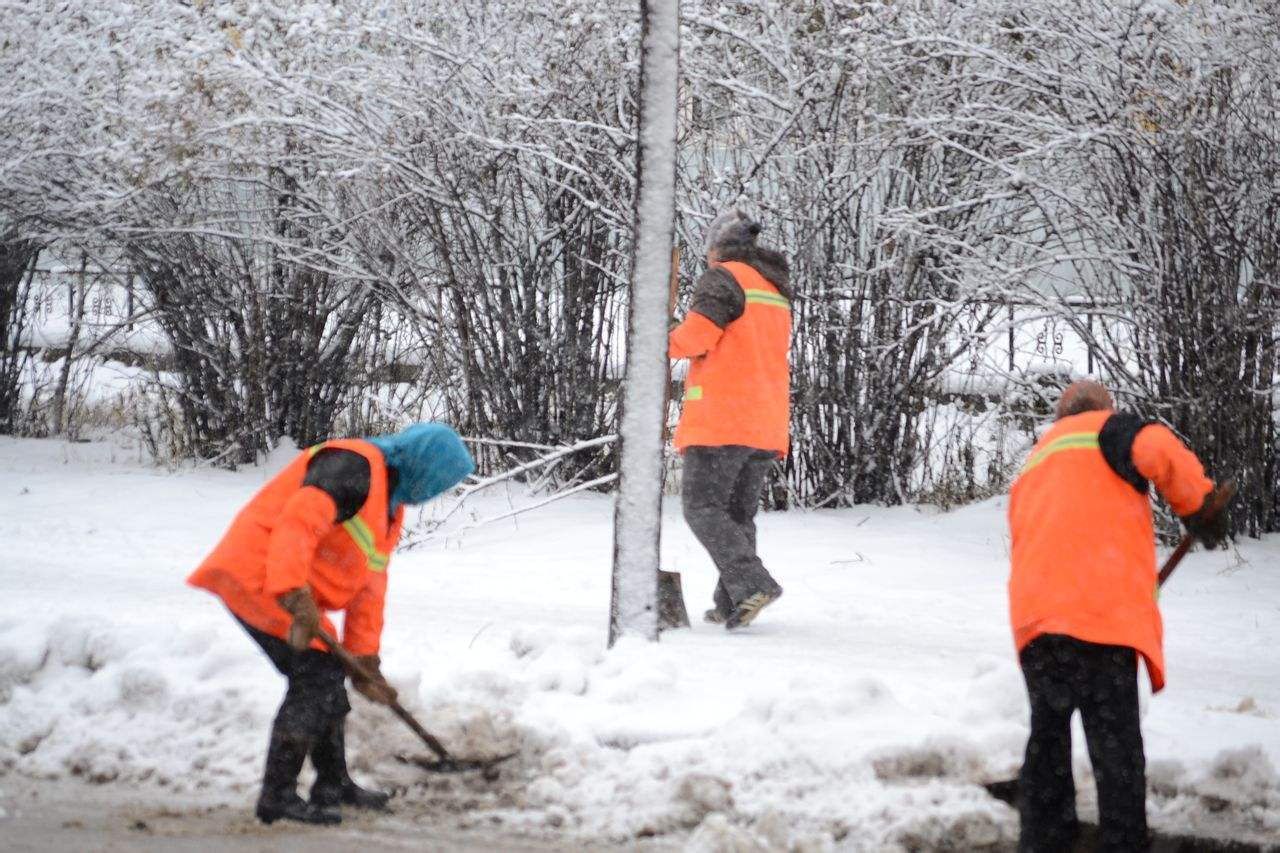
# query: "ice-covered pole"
[[637, 516]]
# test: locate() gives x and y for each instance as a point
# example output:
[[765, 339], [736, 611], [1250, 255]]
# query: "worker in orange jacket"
[[318, 537], [1082, 601], [737, 407]]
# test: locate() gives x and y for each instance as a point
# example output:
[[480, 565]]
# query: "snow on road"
[[863, 710]]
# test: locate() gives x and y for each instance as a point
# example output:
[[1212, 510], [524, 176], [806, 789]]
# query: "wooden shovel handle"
[[671, 310], [358, 670]]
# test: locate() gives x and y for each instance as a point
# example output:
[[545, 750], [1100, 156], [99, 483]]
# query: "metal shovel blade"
[[488, 767]]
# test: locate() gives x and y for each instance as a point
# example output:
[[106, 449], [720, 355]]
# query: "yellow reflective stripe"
[[766, 297], [360, 532], [693, 392], [363, 537], [1070, 441], [314, 449]]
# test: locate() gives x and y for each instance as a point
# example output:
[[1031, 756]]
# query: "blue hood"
[[430, 459]]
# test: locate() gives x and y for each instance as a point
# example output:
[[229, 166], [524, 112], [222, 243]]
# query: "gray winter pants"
[[720, 495]]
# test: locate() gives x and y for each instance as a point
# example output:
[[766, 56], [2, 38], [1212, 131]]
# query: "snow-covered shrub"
[[939, 174]]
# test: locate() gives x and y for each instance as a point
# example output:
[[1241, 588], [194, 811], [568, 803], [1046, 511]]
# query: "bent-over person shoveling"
[[318, 537], [1083, 604]]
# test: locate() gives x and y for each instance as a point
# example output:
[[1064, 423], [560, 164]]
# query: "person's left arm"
[[362, 636], [1172, 468], [362, 626]]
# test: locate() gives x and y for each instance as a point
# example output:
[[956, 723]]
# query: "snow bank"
[[1238, 789], [86, 698], [187, 711], [804, 765]]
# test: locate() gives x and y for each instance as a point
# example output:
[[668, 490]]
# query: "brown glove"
[[1211, 530], [306, 617], [375, 688]]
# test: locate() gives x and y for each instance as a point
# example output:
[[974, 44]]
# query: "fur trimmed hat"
[[731, 228]]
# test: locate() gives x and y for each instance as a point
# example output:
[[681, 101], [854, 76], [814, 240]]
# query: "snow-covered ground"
[[860, 712]]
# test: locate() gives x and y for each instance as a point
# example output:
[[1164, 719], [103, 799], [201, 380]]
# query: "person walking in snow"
[[1082, 601], [737, 407], [318, 537]]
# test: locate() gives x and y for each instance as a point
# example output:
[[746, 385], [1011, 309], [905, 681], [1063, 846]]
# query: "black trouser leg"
[[1064, 673], [714, 494], [316, 692], [286, 752], [329, 757], [1046, 789], [316, 696], [1109, 708], [334, 784]]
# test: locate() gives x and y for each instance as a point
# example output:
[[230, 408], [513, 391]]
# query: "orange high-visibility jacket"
[[1083, 556], [288, 536], [738, 391]]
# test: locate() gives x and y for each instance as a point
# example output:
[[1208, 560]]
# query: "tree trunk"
[[638, 511], [17, 268], [77, 293]]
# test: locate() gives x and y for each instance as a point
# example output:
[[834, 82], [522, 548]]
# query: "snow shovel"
[[444, 762], [671, 610]]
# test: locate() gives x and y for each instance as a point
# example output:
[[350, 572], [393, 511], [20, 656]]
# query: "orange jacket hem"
[[1150, 652]]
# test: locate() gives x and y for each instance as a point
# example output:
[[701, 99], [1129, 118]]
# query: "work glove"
[[375, 688], [305, 626], [1211, 530]]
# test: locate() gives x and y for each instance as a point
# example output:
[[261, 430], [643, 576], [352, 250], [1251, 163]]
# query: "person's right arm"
[[1176, 472], [1178, 475]]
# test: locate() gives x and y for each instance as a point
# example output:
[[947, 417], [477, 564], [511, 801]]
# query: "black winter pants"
[[720, 494], [317, 693], [1063, 674]]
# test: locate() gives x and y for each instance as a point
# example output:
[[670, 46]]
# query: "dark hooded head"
[[429, 458]]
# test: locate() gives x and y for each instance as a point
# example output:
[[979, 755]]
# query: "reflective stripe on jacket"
[[288, 535], [1083, 560], [738, 391]]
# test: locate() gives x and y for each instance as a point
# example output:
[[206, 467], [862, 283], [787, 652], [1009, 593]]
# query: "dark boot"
[[333, 785], [279, 799]]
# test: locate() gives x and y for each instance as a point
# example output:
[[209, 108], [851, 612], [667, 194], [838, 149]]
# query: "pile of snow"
[[865, 709], [85, 698], [1238, 789], [188, 711]]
